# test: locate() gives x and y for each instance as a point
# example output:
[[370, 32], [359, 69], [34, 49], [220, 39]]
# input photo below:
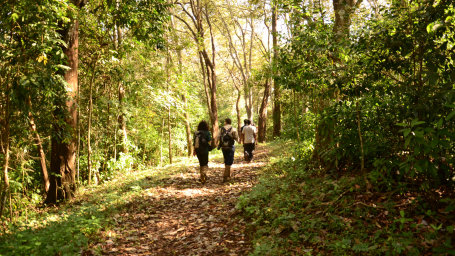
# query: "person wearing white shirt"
[[249, 138]]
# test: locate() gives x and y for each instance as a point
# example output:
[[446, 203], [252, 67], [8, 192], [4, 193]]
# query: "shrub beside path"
[[180, 216]]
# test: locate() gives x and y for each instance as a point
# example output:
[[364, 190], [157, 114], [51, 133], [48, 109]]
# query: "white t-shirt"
[[248, 133]]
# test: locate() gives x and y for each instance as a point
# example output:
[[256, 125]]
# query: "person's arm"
[[236, 136], [242, 136]]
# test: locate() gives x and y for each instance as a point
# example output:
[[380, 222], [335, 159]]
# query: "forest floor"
[[180, 216], [146, 211]]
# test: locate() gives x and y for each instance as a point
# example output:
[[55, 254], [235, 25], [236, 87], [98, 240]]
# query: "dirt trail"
[[184, 217]]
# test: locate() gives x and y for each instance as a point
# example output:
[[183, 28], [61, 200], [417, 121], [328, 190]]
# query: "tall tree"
[[198, 12], [276, 86], [343, 15], [241, 48], [63, 152]]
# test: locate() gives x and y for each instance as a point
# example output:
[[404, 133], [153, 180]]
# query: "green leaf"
[[452, 114], [406, 132], [416, 122]]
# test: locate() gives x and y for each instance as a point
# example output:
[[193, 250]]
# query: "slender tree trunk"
[[197, 14], [214, 110], [108, 143], [161, 142], [63, 154], [122, 119], [262, 122], [169, 131], [5, 189], [39, 144], [5, 146], [78, 145], [168, 82], [185, 106], [187, 127], [89, 128], [359, 130], [237, 110], [121, 96], [276, 86], [204, 81], [248, 97], [296, 119]]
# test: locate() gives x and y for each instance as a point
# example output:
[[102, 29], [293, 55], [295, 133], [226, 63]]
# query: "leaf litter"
[[181, 216]]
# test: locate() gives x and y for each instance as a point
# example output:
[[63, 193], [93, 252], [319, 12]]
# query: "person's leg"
[[203, 158], [248, 151], [228, 161], [253, 148], [230, 156], [225, 154], [245, 152]]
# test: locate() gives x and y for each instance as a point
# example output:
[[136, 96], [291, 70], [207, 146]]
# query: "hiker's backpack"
[[200, 140], [227, 140]]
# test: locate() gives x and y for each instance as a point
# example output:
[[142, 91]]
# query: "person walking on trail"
[[227, 137], [201, 143], [249, 138], [241, 129]]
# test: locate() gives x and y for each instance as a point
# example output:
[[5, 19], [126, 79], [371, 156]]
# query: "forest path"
[[180, 216]]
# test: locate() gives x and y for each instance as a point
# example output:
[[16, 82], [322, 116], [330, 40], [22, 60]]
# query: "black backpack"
[[200, 140], [226, 138]]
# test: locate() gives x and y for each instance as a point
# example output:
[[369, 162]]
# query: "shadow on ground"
[[161, 212]]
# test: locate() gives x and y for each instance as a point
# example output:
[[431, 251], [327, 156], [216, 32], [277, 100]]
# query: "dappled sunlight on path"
[[181, 216]]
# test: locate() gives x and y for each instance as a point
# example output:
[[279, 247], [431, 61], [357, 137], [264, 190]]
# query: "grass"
[[71, 227], [296, 209]]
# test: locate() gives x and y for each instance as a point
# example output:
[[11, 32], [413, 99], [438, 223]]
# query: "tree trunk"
[[169, 131], [196, 14], [262, 122], [5, 189], [237, 110], [248, 96], [89, 128], [276, 86], [343, 10], [121, 96], [39, 144], [214, 110], [168, 82], [189, 142], [4, 136], [186, 116], [63, 152], [359, 130], [161, 142], [122, 119]]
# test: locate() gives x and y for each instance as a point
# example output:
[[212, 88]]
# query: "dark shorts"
[[203, 157], [228, 154]]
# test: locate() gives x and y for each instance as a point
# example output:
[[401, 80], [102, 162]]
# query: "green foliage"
[[295, 209], [390, 85], [71, 228]]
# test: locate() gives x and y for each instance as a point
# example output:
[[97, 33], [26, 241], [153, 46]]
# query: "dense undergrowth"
[[297, 209]]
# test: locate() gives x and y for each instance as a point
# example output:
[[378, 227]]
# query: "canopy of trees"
[[91, 89]]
